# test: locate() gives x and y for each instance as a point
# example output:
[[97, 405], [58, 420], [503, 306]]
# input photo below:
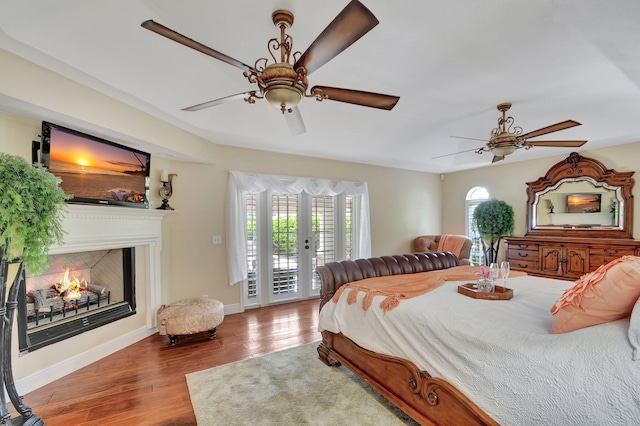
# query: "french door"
[[288, 237]]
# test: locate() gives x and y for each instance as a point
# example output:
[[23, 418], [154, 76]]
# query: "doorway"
[[288, 236]]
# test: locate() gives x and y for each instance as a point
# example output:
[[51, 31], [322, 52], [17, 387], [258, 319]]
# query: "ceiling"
[[450, 62]]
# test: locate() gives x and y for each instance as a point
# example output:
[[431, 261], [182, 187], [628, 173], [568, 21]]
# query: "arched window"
[[474, 197]]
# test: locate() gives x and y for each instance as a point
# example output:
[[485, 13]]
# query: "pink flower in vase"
[[484, 274]]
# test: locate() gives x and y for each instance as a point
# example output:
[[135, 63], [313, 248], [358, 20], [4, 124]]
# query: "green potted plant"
[[30, 205], [30, 222], [493, 219]]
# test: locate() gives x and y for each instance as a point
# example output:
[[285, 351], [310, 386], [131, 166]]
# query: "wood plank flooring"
[[144, 384]]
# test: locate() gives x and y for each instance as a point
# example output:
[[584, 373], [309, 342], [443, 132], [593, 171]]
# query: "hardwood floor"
[[144, 384]]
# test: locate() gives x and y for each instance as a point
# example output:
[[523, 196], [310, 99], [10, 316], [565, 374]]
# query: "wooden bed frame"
[[428, 400]]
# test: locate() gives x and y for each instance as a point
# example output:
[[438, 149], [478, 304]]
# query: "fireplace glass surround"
[[77, 292]]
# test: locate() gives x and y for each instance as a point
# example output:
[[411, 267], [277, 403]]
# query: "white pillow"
[[634, 331]]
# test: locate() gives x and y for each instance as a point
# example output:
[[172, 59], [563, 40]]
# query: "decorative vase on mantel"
[[31, 201]]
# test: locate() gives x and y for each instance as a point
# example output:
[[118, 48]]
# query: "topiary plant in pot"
[[493, 219], [31, 202]]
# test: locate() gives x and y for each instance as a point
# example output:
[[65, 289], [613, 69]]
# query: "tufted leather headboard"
[[335, 274]]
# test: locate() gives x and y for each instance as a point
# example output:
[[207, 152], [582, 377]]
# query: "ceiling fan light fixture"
[[283, 96], [282, 87], [501, 151]]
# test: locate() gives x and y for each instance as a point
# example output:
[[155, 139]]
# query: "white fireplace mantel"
[[89, 227]]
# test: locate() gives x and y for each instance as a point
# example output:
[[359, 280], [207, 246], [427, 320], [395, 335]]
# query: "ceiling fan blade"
[[455, 153], [353, 22], [549, 129], [565, 144], [295, 122], [184, 40], [357, 97], [471, 139], [219, 101], [497, 158]]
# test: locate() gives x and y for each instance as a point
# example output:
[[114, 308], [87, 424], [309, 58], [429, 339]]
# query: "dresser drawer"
[[596, 261], [524, 265], [523, 246], [519, 252], [599, 256], [612, 252]]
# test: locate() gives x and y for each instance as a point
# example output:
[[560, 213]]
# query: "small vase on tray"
[[485, 285]]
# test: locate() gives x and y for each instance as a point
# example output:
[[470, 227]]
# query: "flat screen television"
[[95, 170], [583, 203]]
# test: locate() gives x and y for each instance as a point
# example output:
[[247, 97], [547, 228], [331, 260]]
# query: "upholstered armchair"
[[425, 243]]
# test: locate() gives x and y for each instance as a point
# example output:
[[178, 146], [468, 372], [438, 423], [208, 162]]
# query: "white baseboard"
[[232, 309], [57, 371]]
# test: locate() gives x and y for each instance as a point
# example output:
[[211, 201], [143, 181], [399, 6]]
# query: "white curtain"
[[241, 184]]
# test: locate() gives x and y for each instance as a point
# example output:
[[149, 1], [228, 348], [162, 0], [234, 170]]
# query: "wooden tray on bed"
[[500, 293]]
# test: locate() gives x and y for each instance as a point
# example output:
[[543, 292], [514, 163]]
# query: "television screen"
[[95, 170], [583, 203]]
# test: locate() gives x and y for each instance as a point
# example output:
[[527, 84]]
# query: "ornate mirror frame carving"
[[579, 170]]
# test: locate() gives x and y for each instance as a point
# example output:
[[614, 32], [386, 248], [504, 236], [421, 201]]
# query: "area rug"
[[290, 387]]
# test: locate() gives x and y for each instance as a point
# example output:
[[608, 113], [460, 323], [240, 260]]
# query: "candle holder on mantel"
[[166, 192]]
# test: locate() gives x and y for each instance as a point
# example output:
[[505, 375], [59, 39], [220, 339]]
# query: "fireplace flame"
[[69, 289]]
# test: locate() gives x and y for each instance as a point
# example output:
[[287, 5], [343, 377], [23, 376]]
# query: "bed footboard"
[[428, 400]]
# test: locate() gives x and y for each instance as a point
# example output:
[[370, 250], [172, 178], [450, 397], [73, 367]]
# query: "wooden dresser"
[[563, 257]]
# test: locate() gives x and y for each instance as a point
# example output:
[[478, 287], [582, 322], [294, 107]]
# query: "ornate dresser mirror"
[[579, 197], [579, 217]]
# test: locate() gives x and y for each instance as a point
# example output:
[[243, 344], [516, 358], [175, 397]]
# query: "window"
[[474, 197], [252, 246], [348, 217]]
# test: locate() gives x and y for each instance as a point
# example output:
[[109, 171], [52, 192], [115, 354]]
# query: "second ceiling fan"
[[507, 138], [284, 82]]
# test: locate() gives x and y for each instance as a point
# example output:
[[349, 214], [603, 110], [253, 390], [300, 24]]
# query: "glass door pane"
[[284, 238], [252, 250], [323, 227]]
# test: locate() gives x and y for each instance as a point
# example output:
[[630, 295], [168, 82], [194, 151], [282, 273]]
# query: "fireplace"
[[90, 228], [77, 292]]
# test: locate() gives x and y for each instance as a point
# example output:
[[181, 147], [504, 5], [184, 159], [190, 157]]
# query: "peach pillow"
[[606, 294]]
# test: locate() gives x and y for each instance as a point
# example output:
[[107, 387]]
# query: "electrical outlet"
[[217, 239]]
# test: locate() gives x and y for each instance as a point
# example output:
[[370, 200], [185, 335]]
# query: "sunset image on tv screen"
[[583, 203], [96, 170]]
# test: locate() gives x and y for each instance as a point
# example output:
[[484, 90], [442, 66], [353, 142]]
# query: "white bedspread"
[[501, 354]]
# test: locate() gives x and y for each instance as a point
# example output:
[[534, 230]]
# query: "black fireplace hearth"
[[78, 292]]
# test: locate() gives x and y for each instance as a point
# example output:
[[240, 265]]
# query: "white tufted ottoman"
[[190, 316]]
